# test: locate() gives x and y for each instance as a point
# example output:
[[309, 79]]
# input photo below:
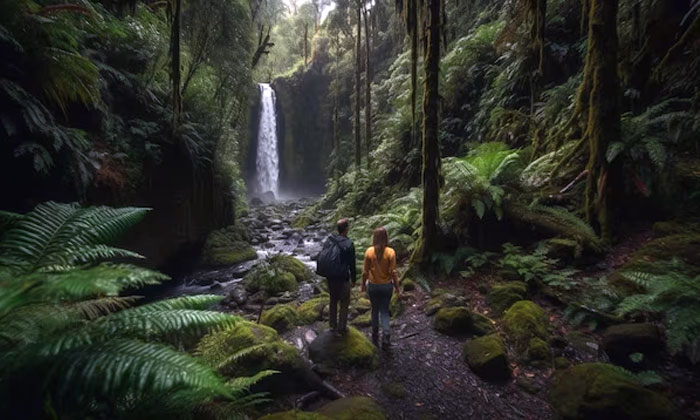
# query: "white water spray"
[[267, 159]]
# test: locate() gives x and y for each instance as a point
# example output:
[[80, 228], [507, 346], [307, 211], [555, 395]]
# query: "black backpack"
[[330, 263]]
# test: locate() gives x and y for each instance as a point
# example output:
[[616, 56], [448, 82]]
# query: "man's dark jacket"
[[347, 257]]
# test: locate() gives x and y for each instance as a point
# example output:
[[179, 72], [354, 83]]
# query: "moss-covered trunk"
[[368, 90], [538, 12], [431, 147], [603, 126], [358, 65]]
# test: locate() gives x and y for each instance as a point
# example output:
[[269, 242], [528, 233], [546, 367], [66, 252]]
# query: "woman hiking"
[[380, 270]]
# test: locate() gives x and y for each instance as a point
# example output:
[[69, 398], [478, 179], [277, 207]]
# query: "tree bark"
[[358, 65], [368, 90], [431, 150], [603, 126], [175, 71], [538, 12], [306, 43]]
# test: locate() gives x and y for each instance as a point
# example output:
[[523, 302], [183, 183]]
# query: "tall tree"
[[409, 12], [358, 65], [175, 69], [603, 124], [368, 88], [537, 9]]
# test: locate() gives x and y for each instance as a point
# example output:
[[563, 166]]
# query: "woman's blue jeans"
[[380, 297]]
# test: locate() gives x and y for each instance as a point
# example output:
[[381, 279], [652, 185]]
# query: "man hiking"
[[336, 262]]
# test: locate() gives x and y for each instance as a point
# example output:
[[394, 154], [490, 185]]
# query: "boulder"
[[538, 349], [364, 320], [503, 295], [227, 246], [312, 310], [602, 391], [238, 294], [280, 317], [486, 356], [351, 349], [525, 320], [619, 341], [482, 325], [408, 285], [453, 321], [292, 265], [270, 280], [353, 408], [443, 299]]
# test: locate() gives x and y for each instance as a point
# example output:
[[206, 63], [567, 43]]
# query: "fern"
[[674, 294]]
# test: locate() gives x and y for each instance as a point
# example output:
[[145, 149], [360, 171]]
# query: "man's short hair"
[[343, 224]]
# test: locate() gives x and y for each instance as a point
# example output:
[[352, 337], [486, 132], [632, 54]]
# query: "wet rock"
[[453, 321], [619, 341], [523, 321], [602, 391], [227, 246], [351, 349], [309, 336], [292, 265], [270, 280], [353, 408], [486, 356], [503, 295], [280, 317], [312, 310]]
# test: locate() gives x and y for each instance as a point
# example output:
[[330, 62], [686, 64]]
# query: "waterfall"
[[267, 159]]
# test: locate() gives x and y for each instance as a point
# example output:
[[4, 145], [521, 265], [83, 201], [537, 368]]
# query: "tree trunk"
[[175, 71], [538, 12], [306, 43], [358, 65], [603, 126], [431, 151], [368, 90]]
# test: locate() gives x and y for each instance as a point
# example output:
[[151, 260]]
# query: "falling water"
[[267, 160]]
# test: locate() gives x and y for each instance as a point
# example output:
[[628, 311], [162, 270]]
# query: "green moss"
[[503, 295], [361, 305], [482, 325], [227, 350], [302, 221], [408, 285], [312, 310], [486, 356], [353, 408], [295, 415], [351, 349], [287, 263], [675, 227], [444, 299], [227, 246], [561, 362], [453, 321], [525, 320], [272, 281], [600, 390], [394, 390], [364, 320], [538, 349], [280, 317]]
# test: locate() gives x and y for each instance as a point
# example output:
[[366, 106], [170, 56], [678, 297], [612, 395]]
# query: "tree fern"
[[674, 294]]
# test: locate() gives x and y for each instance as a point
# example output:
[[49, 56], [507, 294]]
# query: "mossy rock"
[[353, 408], [351, 349], [295, 415], [443, 300], [302, 221], [525, 320], [361, 305], [364, 320], [280, 317], [216, 349], [538, 349], [227, 246], [561, 362], [395, 306], [394, 390], [312, 310], [482, 325], [453, 321], [408, 285], [620, 341], [503, 295], [292, 265], [602, 391], [272, 281], [486, 356]]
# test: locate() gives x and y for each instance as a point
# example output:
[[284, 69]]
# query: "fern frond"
[[8, 219], [95, 308], [183, 302]]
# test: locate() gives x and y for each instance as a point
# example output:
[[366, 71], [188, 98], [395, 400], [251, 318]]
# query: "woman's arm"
[[365, 272]]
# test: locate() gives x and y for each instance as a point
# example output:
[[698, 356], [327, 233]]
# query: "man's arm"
[[353, 269]]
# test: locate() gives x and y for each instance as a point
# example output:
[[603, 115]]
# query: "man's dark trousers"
[[339, 289]]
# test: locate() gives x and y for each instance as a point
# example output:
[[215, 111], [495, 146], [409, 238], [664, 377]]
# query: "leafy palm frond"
[[183, 302], [8, 219], [95, 308]]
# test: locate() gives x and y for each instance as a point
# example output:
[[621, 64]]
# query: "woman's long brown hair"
[[380, 240]]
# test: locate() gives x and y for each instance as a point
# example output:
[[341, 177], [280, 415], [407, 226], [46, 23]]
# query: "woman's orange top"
[[379, 271]]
